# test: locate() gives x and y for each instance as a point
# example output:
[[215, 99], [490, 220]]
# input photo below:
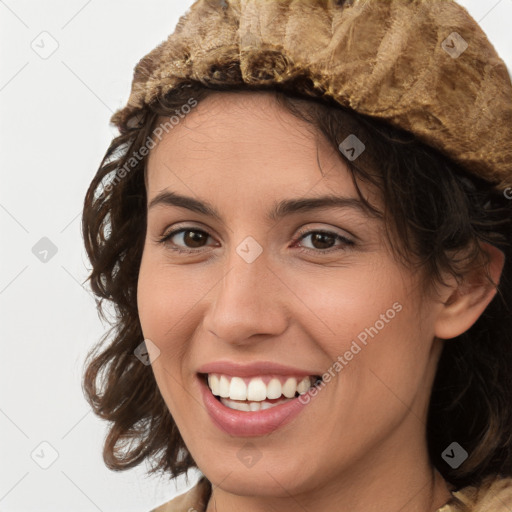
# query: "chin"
[[263, 479]]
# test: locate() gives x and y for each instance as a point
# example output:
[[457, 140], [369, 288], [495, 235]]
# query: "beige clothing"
[[494, 495]]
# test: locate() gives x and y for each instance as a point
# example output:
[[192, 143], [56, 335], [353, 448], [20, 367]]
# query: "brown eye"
[[194, 238], [324, 241], [186, 238]]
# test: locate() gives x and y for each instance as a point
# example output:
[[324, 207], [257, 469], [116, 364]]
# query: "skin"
[[360, 444]]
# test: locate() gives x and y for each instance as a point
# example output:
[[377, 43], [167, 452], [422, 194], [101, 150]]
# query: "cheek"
[[164, 300], [390, 376], [373, 332], [166, 297], [347, 304]]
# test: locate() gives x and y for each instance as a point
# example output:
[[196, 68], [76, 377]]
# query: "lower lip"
[[252, 423]]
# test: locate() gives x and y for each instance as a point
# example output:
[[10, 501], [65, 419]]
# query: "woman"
[[305, 228]]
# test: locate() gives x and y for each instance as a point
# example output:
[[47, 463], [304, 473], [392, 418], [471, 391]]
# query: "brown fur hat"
[[422, 65]]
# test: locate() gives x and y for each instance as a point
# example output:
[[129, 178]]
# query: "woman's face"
[[268, 282]]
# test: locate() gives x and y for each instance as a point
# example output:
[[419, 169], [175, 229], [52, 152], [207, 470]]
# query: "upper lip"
[[252, 369]]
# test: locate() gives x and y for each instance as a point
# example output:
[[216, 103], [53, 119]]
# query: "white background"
[[54, 130]]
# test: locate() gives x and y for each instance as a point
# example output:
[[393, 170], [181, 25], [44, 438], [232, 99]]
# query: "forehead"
[[239, 121], [245, 143]]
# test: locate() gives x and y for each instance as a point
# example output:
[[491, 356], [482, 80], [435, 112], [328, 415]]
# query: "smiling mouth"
[[257, 393]]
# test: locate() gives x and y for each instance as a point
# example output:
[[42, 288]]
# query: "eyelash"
[[165, 240]]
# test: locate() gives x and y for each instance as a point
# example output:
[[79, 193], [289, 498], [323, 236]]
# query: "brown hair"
[[436, 209]]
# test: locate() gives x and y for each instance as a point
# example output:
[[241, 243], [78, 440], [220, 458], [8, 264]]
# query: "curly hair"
[[438, 212]]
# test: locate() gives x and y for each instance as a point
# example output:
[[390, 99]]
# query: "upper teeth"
[[257, 389]]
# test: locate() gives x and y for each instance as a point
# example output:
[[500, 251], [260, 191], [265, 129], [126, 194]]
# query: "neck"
[[388, 480], [427, 498]]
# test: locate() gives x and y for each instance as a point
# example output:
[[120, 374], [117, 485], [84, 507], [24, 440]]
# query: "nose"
[[246, 302]]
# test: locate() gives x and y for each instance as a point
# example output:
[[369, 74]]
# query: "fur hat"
[[421, 65]]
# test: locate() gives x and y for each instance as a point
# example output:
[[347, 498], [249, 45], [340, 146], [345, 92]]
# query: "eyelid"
[[349, 237], [188, 225], [346, 242], [165, 238]]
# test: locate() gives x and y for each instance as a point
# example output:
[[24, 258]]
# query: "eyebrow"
[[279, 210]]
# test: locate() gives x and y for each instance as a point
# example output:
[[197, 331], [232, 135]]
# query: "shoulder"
[[494, 494], [194, 500]]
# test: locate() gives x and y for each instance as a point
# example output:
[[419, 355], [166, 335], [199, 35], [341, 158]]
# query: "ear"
[[465, 302]]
